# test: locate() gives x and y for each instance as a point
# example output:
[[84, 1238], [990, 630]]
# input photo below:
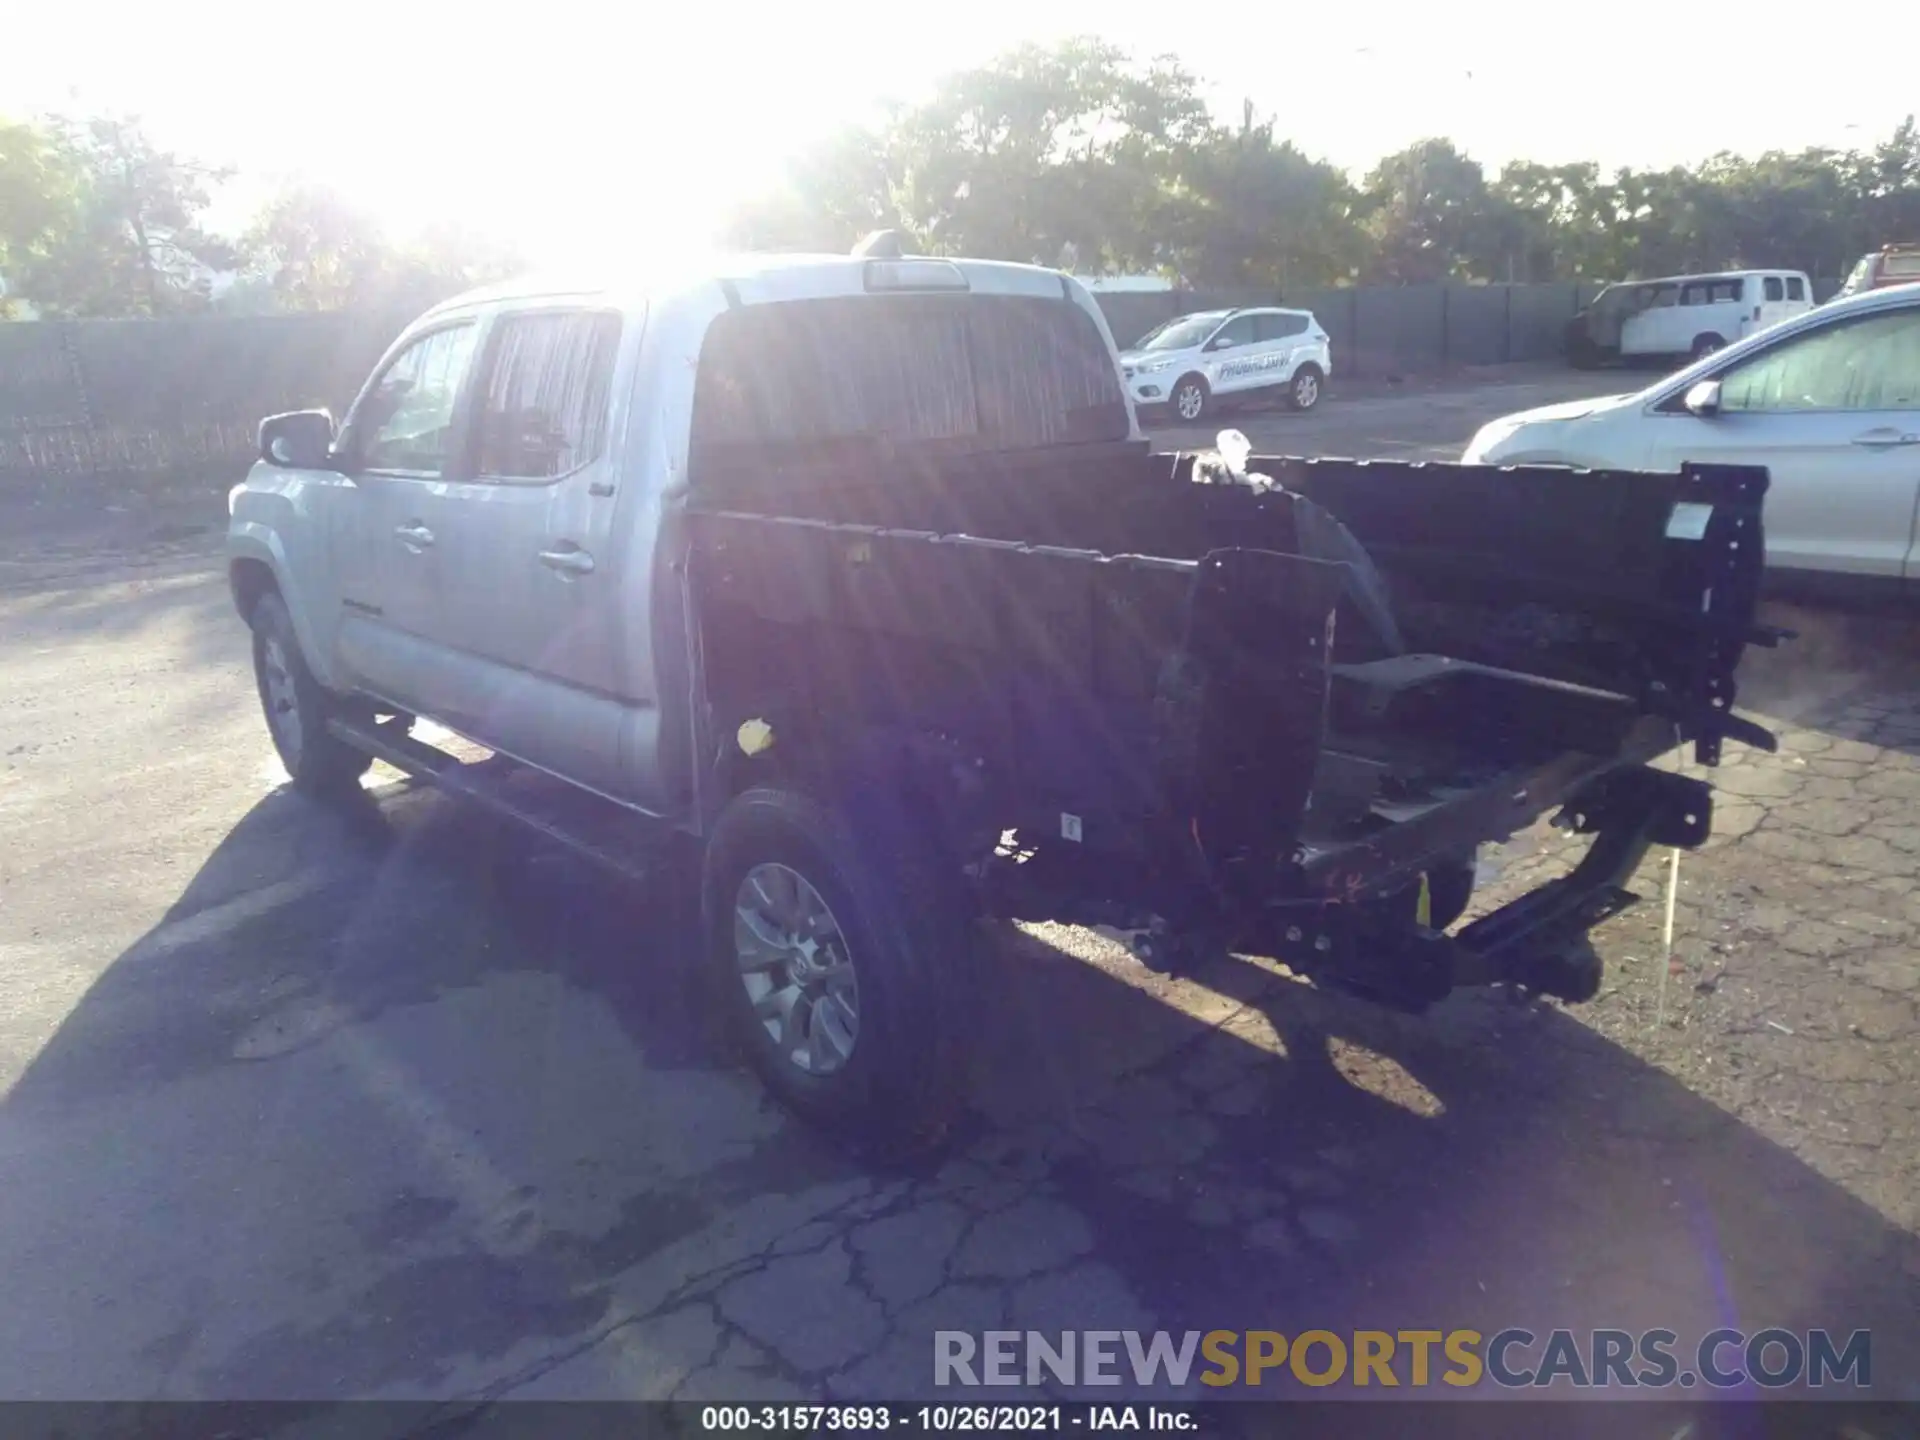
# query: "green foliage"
[[1076, 155], [310, 250], [97, 221], [1079, 155], [100, 221]]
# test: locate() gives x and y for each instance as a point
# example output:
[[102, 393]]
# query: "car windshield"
[[1184, 333]]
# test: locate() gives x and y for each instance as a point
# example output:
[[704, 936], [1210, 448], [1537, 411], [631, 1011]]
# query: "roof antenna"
[[881, 245]]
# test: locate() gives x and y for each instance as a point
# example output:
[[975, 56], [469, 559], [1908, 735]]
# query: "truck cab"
[[1889, 265], [485, 539]]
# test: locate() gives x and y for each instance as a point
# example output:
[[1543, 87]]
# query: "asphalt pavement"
[[305, 1102]]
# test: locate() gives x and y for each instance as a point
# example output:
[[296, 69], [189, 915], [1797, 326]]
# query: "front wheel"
[[1304, 390], [837, 956], [297, 706], [1189, 398]]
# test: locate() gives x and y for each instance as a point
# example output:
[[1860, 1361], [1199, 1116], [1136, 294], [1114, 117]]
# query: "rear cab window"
[[941, 374]]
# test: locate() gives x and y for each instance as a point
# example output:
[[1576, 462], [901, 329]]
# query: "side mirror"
[[298, 440], [1224, 342], [1704, 399]]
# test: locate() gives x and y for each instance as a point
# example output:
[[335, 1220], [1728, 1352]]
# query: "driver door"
[[1233, 358], [400, 446]]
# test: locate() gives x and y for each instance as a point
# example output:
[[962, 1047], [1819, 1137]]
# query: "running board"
[[584, 825]]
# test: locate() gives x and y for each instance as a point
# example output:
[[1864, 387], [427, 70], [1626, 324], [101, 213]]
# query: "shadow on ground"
[[395, 1102]]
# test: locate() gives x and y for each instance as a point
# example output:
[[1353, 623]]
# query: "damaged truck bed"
[[1115, 694]]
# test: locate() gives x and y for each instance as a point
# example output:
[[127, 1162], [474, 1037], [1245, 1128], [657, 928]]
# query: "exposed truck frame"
[[1141, 681]]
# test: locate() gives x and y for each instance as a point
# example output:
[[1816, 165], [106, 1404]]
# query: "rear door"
[[1834, 415], [1282, 337], [534, 610], [401, 442]]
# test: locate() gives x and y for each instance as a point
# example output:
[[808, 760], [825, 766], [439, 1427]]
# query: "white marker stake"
[[1666, 934]]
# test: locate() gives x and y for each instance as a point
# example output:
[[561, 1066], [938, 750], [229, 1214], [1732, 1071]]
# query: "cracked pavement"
[[388, 1102]]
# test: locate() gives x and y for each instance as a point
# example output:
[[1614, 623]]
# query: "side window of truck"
[[1776, 289], [406, 419], [541, 407], [1796, 288]]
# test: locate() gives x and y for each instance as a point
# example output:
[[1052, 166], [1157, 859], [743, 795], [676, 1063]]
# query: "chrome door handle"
[[416, 535], [1885, 438], [570, 562]]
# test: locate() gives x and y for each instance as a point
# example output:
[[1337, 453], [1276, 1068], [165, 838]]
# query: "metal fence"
[[165, 404], [173, 405]]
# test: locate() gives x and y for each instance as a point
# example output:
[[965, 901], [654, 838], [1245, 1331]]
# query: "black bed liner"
[[1147, 662]]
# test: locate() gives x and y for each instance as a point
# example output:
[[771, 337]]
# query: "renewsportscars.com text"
[[1513, 1358]]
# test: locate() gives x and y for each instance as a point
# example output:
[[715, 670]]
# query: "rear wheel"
[[1304, 390], [1190, 398], [297, 707], [837, 959]]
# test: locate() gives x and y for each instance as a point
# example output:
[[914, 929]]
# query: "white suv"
[[1195, 361]]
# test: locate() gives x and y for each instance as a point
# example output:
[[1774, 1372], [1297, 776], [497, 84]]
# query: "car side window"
[[1239, 330], [1868, 364], [406, 419], [541, 407], [1796, 288], [1776, 289], [1279, 327]]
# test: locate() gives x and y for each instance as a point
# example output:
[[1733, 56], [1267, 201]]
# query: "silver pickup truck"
[[855, 578]]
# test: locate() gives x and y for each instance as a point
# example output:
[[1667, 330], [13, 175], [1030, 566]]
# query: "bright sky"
[[584, 130]]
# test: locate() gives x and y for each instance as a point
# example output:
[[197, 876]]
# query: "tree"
[[1251, 210], [313, 251], [1432, 216], [834, 194], [39, 202], [122, 234]]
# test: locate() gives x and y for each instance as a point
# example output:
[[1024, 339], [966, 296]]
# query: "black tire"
[[1705, 345], [907, 935], [1306, 388], [1190, 399], [317, 761]]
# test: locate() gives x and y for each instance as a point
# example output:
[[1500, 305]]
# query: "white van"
[[1691, 315]]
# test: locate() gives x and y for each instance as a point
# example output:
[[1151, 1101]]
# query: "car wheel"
[[1705, 345], [1306, 387], [837, 956], [297, 707], [1189, 399]]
